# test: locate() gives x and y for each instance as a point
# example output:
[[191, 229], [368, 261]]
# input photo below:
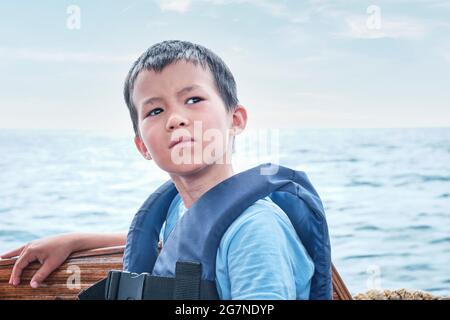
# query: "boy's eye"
[[154, 112], [157, 111], [195, 99]]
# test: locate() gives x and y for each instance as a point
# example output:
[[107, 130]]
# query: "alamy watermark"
[[373, 281], [74, 280], [73, 21], [373, 21], [213, 146]]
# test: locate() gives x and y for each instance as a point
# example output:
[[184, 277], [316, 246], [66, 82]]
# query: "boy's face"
[[183, 103]]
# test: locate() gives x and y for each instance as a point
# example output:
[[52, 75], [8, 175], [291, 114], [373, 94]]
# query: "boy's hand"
[[51, 252]]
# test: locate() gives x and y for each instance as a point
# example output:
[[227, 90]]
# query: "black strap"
[[119, 285], [187, 281], [94, 292]]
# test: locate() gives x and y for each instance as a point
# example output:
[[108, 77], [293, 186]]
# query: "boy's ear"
[[239, 119], [142, 148]]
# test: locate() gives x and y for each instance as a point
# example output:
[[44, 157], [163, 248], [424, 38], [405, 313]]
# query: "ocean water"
[[386, 193]]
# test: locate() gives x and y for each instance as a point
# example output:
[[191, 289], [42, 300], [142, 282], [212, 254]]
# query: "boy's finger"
[[43, 273], [12, 253], [20, 264]]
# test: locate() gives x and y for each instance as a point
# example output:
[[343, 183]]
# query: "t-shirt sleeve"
[[262, 251]]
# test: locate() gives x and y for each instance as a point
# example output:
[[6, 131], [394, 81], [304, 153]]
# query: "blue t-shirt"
[[260, 255]]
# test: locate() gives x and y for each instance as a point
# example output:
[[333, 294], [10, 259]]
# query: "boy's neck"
[[193, 186]]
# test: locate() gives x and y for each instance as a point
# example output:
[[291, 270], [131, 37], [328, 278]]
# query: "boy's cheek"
[[155, 146]]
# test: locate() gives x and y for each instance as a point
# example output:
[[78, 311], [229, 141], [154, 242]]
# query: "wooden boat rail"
[[81, 270]]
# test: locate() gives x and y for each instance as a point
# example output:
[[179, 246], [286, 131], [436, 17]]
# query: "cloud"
[[273, 7], [63, 56], [443, 4], [358, 27], [446, 56], [180, 6]]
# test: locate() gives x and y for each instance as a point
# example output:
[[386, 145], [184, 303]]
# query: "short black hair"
[[161, 54]]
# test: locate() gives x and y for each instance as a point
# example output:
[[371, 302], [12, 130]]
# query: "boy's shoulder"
[[263, 217], [265, 209]]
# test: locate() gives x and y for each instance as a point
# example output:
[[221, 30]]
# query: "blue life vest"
[[198, 233]]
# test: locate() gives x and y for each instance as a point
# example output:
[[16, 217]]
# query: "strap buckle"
[[121, 285]]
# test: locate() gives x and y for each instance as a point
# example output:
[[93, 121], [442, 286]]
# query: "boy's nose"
[[176, 121]]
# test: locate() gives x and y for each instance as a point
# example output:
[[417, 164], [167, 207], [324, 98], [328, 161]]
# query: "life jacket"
[[185, 267]]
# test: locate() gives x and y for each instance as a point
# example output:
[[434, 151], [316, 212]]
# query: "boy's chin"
[[185, 169]]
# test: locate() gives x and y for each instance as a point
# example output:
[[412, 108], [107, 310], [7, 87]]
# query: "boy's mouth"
[[178, 140]]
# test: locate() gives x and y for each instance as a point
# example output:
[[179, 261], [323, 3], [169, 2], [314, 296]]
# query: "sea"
[[386, 192]]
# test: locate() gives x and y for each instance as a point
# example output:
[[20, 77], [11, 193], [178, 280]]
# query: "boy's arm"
[[87, 241], [262, 260], [51, 252]]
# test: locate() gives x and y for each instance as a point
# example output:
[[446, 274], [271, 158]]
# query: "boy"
[[179, 96]]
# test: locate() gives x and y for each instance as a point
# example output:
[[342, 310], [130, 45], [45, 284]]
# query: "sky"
[[298, 64]]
